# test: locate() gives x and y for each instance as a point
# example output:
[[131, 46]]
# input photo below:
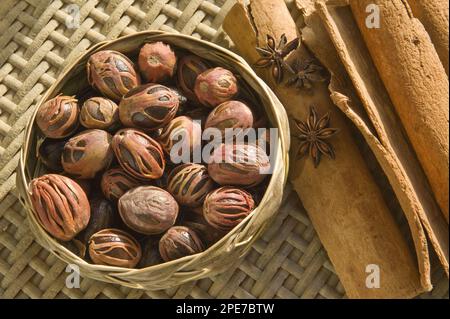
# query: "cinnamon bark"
[[416, 82], [341, 196]]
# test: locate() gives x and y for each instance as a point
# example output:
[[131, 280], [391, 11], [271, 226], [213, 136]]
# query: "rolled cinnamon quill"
[[342, 199]]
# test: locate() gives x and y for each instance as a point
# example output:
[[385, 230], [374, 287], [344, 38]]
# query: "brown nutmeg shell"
[[49, 152], [100, 113], [189, 67], [58, 117], [230, 115], [215, 86], [178, 242], [115, 182], [150, 253], [157, 61]]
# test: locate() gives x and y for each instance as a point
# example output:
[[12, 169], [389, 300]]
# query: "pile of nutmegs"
[[113, 189]]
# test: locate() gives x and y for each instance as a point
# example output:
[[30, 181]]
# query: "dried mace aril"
[[114, 247], [226, 207], [148, 210], [112, 73], [60, 205], [157, 61], [188, 69], [101, 113], [87, 153], [149, 106], [189, 184], [238, 164], [115, 182], [230, 114], [138, 154], [179, 241], [49, 153], [215, 86], [58, 117]]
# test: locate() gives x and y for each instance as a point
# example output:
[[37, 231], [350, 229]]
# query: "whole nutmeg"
[[189, 184], [115, 182], [226, 207], [60, 205], [148, 210], [112, 73], [230, 114], [138, 154], [49, 152], [157, 61], [150, 253], [58, 117], [188, 69], [179, 241], [149, 106], [103, 215], [87, 153], [238, 164], [183, 133], [101, 113], [215, 86], [114, 247]]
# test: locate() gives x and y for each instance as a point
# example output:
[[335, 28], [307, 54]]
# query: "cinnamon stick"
[[341, 196]]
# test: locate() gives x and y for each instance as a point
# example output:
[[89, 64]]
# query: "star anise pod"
[[305, 73], [273, 55], [313, 135]]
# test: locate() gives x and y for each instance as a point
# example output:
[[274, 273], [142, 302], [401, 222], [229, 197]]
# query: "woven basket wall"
[[288, 261]]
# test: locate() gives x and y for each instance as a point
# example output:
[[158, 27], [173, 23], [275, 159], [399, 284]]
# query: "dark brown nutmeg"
[[138, 154], [75, 246], [208, 234], [189, 184], [149, 107], [157, 61], [215, 86], [60, 205], [112, 73], [239, 164], [188, 69], [179, 241], [58, 117], [230, 115], [226, 207], [101, 113], [148, 210], [114, 247], [115, 182], [87, 153], [150, 253], [49, 152]]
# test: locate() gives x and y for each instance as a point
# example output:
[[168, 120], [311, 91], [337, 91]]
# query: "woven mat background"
[[36, 43]]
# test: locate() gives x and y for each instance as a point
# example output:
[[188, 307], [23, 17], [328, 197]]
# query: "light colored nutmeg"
[[157, 62], [215, 86], [99, 112]]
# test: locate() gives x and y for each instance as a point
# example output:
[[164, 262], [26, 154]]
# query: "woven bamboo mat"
[[37, 40]]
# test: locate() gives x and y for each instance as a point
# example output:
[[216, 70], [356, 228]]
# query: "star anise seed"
[[306, 73]]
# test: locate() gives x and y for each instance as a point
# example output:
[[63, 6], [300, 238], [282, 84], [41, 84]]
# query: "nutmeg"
[[138, 154], [148, 210], [197, 222], [60, 205], [157, 61], [238, 164], [215, 86], [87, 153], [230, 115], [189, 184], [179, 241], [226, 207], [49, 152], [112, 73], [149, 106], [115, 182], [99, 112], [58, 117], [150, 253], [188, 69], [114, 247]]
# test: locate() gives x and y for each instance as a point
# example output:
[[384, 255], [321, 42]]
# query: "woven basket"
[[222, 254]]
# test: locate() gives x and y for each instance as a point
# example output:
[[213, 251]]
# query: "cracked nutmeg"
[[314, 133], [157, 62], [99, 112], [149, 210], [60, 205], [115, 182], [188, 69], [87, 153], [215, 86], [138, 154], [149, 106], [230, 114], [178, 242], [273, 55], [226, 207], [112, 73], [114, 247], [58, 117]]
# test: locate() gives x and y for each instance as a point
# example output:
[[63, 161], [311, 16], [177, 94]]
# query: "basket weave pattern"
[[288, 261]]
